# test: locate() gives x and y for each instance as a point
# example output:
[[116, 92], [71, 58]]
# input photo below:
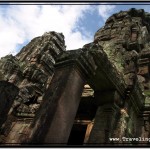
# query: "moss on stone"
[[147, 93]]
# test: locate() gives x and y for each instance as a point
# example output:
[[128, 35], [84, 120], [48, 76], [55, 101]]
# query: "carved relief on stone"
[[29, 70], [47, 58], [26, 102], [136, 34], [121, 14], [145, 34], [130, 70], [8, 65], [39, 76]]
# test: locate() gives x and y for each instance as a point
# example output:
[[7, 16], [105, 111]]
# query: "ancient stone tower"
[[97, 95]]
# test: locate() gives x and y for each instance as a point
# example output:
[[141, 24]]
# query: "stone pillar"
[[104, 119], [103, 125], [8, 92], [120, 127], [67, 105], [55, 117]]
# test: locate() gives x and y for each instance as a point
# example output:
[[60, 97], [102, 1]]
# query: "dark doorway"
[[77, 134], [32, 100]]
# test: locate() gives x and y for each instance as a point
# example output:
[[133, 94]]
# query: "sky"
[[19, 24]]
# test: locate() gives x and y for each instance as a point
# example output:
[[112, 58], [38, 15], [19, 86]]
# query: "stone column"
[[104, 119], [120, 127], [103, 125], [55, 117], [8, 92], [67, 105]]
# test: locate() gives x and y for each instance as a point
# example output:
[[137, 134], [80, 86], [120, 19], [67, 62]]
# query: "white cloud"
[[20, 23], [105, 10]]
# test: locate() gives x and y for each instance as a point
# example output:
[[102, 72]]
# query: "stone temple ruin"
[[88, 96]]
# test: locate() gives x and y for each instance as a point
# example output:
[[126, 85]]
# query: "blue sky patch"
[[19, 24]]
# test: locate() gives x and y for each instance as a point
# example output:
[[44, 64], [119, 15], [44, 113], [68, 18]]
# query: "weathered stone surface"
[[117, 60], [8, 92], [103, 125], [31, 70]]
